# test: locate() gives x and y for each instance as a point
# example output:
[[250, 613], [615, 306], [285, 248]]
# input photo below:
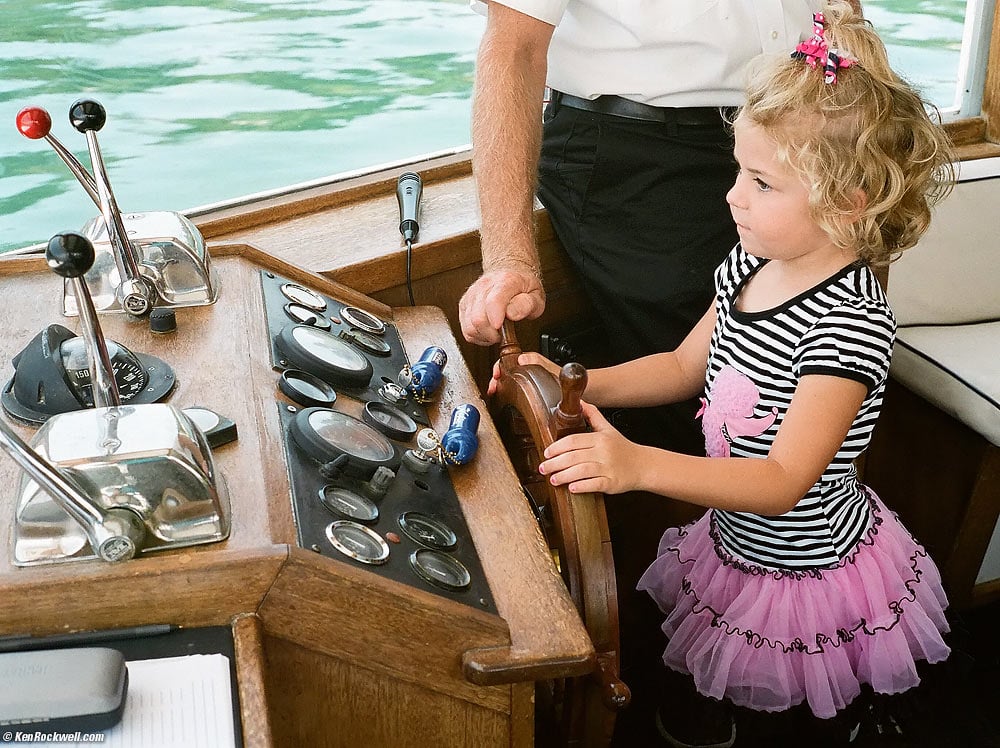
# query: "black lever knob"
[[87, 114], [69, 254]]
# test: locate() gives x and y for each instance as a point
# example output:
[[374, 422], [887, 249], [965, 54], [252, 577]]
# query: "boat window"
[[940, 47], [211, 100]]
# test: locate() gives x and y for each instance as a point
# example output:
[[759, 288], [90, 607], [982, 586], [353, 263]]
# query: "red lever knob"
[[34, 122]]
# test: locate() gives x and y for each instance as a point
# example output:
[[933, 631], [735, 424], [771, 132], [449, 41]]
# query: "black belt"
[[627, 109]]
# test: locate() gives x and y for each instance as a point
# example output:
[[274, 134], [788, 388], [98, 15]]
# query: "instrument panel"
[[357, 496]]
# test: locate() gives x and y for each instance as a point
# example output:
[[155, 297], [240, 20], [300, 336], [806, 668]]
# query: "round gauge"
[[363, 320], [357, 542], [328, 434], [347, 504], [367, 342], [390, 420], [130, 376], [427, 530], [305, 297], [324, 355], [440, 569], [305, 389], [306, 316]]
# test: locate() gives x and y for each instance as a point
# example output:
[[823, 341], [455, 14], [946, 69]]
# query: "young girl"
[[799, 585]]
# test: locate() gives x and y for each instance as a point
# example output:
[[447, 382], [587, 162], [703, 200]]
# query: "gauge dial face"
[[305, 297], [329, 435], [367, 342], [305, 389], [130, 376], [350, 436], [427, 530], [306, 316], [440, 569], [389, 420], [347, 504], [324, 355], [357, 542], [361, 319]]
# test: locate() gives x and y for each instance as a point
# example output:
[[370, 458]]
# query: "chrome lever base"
[[150, 460], [172, 257]]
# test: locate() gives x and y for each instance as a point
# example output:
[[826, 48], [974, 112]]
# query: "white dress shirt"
[[678, 53]]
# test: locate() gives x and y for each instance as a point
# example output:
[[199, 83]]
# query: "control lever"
[[409, 189], [144, 260], [122, 479], [114, 534], [34, 122], [71, 255], [135, 296]]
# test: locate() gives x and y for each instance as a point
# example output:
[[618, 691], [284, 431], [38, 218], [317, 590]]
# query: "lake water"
[[209, 100]]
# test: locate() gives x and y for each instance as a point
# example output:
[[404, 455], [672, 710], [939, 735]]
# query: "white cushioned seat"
[[955, 367], [946, 296]]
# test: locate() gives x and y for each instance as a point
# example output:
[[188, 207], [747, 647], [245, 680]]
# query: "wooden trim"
[[991, 88], [356, 617], [310, 199], [973, 537], [248, 641]]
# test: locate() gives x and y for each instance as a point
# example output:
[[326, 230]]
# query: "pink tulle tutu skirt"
[[769, 639]]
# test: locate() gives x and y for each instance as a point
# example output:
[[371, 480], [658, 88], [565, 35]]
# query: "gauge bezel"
[[320, 394], [359, 318], [338, 527], [389, 420], [301, 295], [360, 509], [303, 315], [367, 342], [410, 521], [322, 449], [452, 564], [307, 359]]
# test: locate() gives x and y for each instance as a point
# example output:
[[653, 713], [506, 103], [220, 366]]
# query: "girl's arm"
[[818, 419], [652, 380], [657, 379]]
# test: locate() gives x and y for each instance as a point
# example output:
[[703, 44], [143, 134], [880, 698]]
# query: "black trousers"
[[640, 209]]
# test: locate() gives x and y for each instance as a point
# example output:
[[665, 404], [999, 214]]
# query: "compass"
[[52, 375]]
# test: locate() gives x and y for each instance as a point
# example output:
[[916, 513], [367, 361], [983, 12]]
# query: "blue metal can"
[[426, 375], [460, 442]]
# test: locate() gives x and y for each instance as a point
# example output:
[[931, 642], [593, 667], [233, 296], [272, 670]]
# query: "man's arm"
[[506, 137]]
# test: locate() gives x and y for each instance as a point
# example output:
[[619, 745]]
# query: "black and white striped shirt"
[[841, 327]]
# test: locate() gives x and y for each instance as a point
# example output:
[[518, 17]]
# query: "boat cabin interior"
[[268, 466]]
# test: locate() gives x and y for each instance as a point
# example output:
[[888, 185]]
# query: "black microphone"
[[409, 188], [408, 191]]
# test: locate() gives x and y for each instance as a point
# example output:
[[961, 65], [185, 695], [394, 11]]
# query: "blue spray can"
[[425, 376], [460, 442]]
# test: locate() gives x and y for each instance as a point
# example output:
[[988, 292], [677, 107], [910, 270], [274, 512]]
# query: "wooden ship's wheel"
[[531, 410]]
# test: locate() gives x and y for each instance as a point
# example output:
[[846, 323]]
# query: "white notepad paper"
[[173, 702]]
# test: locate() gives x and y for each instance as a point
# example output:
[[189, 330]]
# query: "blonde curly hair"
[[868, 131]]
